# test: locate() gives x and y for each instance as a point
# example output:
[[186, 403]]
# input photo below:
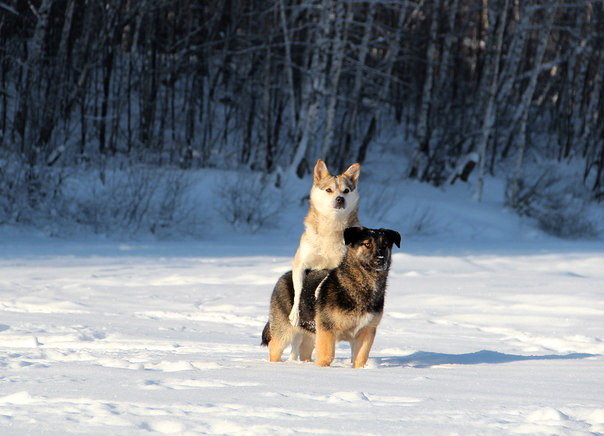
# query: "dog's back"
[[282, 300]]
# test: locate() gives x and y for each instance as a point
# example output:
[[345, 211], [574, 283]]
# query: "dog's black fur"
[[307, 299]]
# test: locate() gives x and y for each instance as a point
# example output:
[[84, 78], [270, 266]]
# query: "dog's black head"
[[372, 247]]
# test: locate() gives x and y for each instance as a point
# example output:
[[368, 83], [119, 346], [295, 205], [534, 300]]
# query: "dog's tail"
[[266, 334]]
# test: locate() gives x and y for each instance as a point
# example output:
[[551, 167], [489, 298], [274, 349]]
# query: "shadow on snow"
[[426, 359]]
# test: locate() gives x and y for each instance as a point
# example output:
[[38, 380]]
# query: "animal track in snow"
[[228, 315], [357, 397], [183, 384], [41, 307], [532, 342]]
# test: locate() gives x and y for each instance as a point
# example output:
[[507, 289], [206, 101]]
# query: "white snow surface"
[[490, 327]]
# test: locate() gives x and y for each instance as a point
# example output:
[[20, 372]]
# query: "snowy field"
[[110, 338], [490, 327]]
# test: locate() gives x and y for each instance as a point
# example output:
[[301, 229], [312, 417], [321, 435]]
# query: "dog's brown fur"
[[348, 306]]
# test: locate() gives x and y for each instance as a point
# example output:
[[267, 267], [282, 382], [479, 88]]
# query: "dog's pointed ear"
[[321, 171], [354, 234], [353, 172], [393, 236]]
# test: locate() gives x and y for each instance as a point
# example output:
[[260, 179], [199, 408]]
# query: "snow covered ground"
[[489, 328]]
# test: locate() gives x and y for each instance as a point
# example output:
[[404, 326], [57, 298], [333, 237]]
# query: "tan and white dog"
[[334, 205]]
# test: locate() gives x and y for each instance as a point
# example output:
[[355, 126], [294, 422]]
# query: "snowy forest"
[[461, 87]]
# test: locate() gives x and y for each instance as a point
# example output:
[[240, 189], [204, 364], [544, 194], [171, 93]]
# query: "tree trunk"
[[289, 69], [510, 73], [356, 96], [26, 122], [492, 74], [315, 91], [343, 16], [514, 182], [423, 131]]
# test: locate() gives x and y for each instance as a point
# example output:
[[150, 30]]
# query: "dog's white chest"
[[364, 321], [326, 253]]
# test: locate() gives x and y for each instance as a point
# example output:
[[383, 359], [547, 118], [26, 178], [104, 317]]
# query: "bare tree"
[[527, 96], [491, 81], [419, 160]]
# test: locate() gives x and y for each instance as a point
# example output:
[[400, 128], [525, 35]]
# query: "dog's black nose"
[[339, 200], [381, 262]]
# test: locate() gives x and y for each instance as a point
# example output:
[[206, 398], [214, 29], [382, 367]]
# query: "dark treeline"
[[272, 84]]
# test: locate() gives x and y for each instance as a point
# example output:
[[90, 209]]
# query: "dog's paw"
[[294, 318]]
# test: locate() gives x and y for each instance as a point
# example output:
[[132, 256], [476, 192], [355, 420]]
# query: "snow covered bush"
[[126, 202], [28, 193], [557, 203], [136, 200], [420, 221], [384, 206], [377, 201], [248, 201]]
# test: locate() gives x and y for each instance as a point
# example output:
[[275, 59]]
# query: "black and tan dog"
[[342, 304]]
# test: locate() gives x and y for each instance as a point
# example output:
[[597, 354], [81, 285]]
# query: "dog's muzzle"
[[340, 203], [381, 262]]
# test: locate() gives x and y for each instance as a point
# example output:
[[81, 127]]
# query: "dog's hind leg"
[[306, 347], [296, 345], [275, 349]]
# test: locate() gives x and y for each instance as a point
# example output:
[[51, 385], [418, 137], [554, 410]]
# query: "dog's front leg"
[[306, 348], [354, 349], [363, 342], [326, 346]]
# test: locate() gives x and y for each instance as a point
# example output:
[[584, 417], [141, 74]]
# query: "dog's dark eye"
[[367, 244], [329, 190], [346, 191]]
